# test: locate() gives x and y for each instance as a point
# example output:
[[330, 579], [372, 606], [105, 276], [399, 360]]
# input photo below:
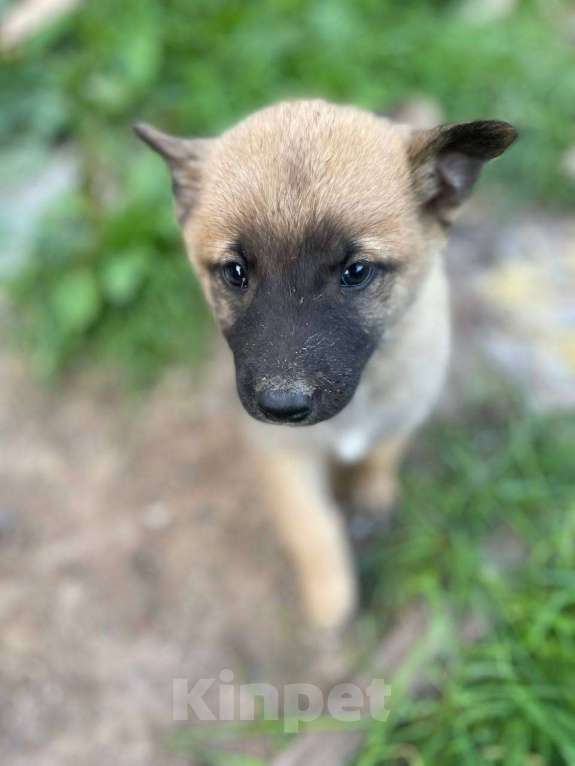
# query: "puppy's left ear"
[[446, 162], [185, 158]]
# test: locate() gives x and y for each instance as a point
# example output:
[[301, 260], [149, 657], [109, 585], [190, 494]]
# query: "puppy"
[[316, 231]]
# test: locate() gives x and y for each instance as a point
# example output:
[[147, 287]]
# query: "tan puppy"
[[316, 231]]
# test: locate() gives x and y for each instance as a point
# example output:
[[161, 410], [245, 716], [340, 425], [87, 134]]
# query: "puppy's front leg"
[[313, 532], [371, 485]]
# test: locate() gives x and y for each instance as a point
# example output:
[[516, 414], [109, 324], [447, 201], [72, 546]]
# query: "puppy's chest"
[[394, 397], [375, 412]]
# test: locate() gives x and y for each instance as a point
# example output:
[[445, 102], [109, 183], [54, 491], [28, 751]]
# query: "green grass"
[[508, 698], [111, 248]]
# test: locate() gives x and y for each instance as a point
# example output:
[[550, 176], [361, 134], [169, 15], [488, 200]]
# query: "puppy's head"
[[312, 227]]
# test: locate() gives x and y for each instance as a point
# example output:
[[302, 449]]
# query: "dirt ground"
[[134, 548], [133, 552]]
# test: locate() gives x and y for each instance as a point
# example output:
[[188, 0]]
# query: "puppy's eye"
[[235, 274], [357, 274]]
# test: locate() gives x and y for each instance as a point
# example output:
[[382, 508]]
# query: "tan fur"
[[289, 162], [312, 530], [296, 148], [276, 172]]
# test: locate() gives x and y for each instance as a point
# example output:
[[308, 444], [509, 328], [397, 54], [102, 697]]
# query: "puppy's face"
[[312, 227]]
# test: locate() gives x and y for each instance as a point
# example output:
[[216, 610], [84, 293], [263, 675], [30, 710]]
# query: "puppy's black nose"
[[284, 406]]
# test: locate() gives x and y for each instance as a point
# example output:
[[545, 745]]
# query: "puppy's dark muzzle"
[[297, 364], [280, 406]]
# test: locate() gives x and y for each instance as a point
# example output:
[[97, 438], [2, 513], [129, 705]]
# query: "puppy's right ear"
[[446, 161], [184, 157]]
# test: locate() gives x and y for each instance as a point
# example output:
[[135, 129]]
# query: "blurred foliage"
[[107, 275]]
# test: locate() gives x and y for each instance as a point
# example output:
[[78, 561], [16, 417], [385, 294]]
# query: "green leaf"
[[123, 275], [75, 300]]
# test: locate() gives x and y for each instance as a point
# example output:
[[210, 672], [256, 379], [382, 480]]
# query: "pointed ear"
[[446, 161], [184, 157]]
